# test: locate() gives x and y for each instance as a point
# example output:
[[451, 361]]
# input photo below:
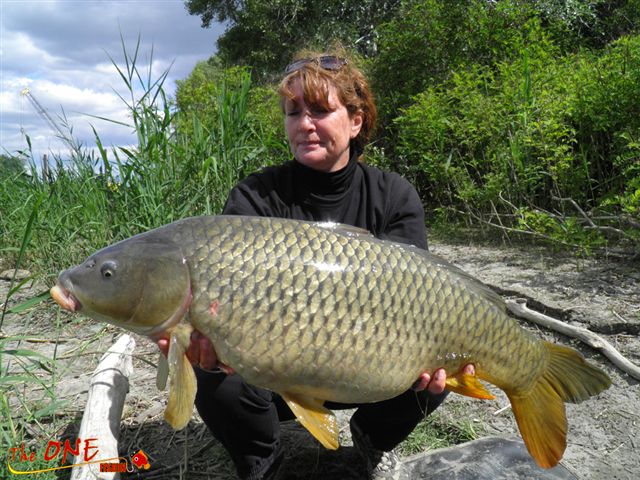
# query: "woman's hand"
[[200, 352], [436, 384]]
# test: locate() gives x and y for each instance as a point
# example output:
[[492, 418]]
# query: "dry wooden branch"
[[529, 232], [577, 208], [519, 308], [591, 225], [105, 401], [32, 339]]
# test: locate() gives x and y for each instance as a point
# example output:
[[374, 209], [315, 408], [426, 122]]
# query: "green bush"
[[544, 132], [428, 41], [605, 112]]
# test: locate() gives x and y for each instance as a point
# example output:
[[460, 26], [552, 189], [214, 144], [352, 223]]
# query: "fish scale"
[[322, 312]]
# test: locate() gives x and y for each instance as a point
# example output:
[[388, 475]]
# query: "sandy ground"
[[604, 296], [604, 432]]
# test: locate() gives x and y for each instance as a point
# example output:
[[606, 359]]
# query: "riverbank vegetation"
[[511, 118]]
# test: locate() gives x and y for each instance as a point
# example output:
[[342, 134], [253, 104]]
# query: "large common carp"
[[321, 312]]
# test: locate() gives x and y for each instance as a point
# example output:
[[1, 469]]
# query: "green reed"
[[93, 197], [104, 194]]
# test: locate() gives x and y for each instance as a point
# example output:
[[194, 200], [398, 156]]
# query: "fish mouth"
[[65, 298]]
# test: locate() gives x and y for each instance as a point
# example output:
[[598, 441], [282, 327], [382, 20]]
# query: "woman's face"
[[320, 139]]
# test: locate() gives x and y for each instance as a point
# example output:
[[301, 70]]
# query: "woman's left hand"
[[436, 384]]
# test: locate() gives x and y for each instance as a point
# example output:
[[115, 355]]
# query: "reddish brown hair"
[[351, 87]]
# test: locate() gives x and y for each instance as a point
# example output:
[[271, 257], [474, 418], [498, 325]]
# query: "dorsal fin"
[[345, 229], [473, 283]]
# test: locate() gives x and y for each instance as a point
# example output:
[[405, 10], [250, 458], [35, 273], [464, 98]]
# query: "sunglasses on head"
[[328, 62]]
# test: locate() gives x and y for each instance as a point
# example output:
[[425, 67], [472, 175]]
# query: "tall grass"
[[23, 369], [97, 196]]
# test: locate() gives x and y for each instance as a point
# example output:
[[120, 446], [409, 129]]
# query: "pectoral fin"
[[182, 379], [320, 422], [468, 385], [162, 372]]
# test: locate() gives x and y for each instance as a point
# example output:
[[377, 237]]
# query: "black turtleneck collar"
[[325, 184]]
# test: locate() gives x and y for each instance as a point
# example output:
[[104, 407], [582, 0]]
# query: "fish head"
[[141, 284]]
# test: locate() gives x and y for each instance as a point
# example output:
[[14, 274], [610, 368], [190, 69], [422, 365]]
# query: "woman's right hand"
[[200, 352]]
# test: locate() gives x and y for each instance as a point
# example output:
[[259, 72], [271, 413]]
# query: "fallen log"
[[520, 309], [105, 401]]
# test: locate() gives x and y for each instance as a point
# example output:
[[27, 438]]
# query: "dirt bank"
[[604, 296]]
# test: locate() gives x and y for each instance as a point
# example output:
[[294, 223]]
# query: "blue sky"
[[60, 50]]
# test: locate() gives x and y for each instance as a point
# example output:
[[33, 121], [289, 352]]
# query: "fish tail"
[[540, 411]]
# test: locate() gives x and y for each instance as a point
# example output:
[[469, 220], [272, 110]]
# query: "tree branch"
[[591, 224]]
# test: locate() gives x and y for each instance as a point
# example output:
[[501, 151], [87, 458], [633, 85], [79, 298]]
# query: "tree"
[[265, 34], [590, 23], [426, 41]]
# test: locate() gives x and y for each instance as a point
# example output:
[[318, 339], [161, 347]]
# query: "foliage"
[[23, 369], [10, 165], [591, 23], [426, 41], [413, 53], [264, 35], [199, 91], [523, 136], [267, 121], [203, 97]]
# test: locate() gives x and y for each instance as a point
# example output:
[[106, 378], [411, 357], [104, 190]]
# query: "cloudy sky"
[[60, 49]]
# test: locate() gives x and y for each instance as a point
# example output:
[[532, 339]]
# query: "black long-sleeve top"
[[383, 203]]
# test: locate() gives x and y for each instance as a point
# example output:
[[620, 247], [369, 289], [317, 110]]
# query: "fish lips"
[[62, 295]]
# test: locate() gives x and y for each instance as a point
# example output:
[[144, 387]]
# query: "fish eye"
[[108, 269]]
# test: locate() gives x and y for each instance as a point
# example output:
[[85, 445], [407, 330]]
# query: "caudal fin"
[[540, 411]]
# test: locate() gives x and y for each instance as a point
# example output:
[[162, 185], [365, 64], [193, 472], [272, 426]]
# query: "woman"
[[329, 116]]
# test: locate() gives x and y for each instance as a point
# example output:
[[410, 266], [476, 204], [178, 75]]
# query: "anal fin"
[[182, 379], [320, 422], [468, 385]]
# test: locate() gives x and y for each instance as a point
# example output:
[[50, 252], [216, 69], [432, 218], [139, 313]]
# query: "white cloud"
[[61, 49], [19, 49]]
